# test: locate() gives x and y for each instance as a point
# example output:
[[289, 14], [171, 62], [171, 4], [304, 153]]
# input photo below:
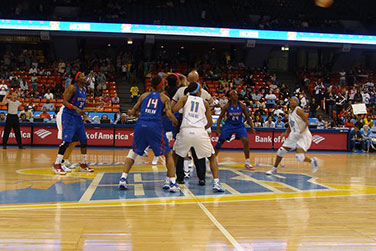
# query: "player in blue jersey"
[[149, 131], [234, 111], [72, 123]]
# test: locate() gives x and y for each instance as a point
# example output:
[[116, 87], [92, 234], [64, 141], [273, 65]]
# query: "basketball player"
[[183, 171], [196, 120], [72, 123], [149, 131], [234, 125], [299, 138]]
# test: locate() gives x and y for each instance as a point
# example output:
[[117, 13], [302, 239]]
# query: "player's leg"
[[181, 148], [301, 157], [225, 134], [82, 137], [67, 154], [242, 134], [68, 132], [200, 167], [280, 153], [171, 172]]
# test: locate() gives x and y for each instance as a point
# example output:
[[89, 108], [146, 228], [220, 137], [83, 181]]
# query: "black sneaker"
[[180, 181], [201, 182]]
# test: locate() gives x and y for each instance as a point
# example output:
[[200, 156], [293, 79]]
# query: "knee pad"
[[63, 147], [281, 151], [300, 157], [132, 155]]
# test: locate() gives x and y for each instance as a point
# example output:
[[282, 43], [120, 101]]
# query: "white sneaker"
[[166, 183], [272, 171], [217, 187], [314, 164], [249, 166], [123, 183], [174, 187], [66, 168], [155, 161]]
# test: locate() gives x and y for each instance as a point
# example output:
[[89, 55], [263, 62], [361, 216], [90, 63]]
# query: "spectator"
[[23, 85], [366, 139], [123, 119], [259, 122], [104, 119], [270, 100], [49, 95], [86, 119], [33, 70], [368, 121], [34, 82], [313, 108], [223, 101], [61, 67], [359, 123], [31, 106], [279, 111], [23, 118], [349, 123], [330, 100], [269, 123], [48, 106], [3, 90], [279, 123], [355, 136], [134, 94], [29, 114], [91, 82], [117, 116], [101, 79], [320, 122], [107, 99], [45, 114], [115, 100], [2, 117]]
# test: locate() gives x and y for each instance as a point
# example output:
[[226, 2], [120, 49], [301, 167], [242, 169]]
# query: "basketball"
[[324, 3]]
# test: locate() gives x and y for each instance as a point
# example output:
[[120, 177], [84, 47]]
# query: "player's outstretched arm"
[[247, 117], [5, 99], [68, 95], [208, 115], [180, 104], [220, 118], [304, 117], [136, 107], [169, 114]]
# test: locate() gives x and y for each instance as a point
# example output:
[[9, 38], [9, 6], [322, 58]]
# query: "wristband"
[[70, 106]]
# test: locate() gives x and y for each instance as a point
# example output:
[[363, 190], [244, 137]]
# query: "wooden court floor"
[[334, 209]]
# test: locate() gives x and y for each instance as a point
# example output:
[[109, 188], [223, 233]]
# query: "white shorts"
[[59, 123], [197, 138], [299, 140]]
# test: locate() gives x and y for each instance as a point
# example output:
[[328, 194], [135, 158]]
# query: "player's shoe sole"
[[123, 184]]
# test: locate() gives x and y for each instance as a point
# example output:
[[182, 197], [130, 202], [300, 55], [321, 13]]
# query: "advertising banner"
[[25, 135]]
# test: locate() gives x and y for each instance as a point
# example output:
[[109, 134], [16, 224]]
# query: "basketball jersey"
[[234, 115], [152, 108], [78, 99], [296, 122], [194, 113]]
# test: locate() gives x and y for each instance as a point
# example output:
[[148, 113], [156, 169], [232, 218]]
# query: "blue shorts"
[[73, 129], [167, 124], [150, 134], [228, 130]]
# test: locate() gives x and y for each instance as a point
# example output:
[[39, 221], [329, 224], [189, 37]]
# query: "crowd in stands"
[[41, 84]]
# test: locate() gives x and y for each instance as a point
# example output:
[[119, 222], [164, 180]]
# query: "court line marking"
[[259, 182], [91, 189], [220, 227], [230, 189]]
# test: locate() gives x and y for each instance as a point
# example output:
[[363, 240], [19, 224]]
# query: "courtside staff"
[[12, 120]]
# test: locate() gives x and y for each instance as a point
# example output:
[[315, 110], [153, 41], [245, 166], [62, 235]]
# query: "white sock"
[[247, 161], [124, 175], [216, 180], [167, 179], [59, 159], [84, 158], [186, 164], [173, 180]]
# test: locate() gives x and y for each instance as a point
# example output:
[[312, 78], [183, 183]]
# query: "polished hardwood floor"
[[333, 209]]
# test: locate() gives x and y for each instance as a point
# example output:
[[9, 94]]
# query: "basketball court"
[[294, 210]]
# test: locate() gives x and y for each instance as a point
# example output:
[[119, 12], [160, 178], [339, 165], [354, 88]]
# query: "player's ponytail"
[[192, 88]]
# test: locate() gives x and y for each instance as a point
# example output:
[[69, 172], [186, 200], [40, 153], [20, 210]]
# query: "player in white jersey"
[[299, 138], [196, 119]]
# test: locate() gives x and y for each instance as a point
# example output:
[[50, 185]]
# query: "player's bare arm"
[[5, 99], [302, 114], [220, 118], [247, 117], [169, 114], [208, 115], [68, 95], [180, 104], [135, 108]]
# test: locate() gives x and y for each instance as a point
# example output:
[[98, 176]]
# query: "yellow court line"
[[363, 191]]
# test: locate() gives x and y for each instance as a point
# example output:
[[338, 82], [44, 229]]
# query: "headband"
[[197, 89], [77, 74], [296, 100], [160, 84]]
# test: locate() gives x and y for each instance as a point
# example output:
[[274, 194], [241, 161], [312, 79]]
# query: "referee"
[[12, 120]]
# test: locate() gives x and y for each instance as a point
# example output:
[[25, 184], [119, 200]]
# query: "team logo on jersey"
[[42, 133], [317, 139]]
